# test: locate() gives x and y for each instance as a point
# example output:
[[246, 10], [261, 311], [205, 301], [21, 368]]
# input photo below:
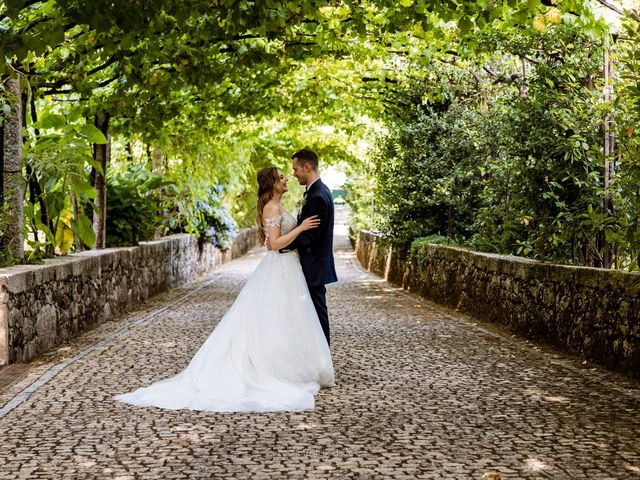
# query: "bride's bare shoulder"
[[270, 210]]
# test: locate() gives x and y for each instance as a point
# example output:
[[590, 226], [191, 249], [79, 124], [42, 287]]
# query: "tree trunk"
[[29, 171], [156, 163], [34, 185], [1, 169], [608, 151], [156, 168], [129, 152], [101, 154], [523, 81], [76, 213], [12, 179]]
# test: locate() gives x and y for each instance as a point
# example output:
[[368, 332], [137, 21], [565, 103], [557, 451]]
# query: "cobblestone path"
[[421, 392]]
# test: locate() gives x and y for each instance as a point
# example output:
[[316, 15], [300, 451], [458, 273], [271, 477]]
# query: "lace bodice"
[[286, 222]]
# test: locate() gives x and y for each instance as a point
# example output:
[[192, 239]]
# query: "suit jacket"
[[315, 246]]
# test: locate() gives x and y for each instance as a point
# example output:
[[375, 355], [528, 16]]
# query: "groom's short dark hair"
[[306, 155]]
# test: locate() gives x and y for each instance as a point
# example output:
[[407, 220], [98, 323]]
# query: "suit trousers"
[[319, 299]]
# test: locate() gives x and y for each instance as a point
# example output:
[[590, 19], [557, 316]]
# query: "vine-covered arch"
[[202, 93]]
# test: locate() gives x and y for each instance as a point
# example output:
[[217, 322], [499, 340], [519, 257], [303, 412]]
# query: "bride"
[[268, 353]]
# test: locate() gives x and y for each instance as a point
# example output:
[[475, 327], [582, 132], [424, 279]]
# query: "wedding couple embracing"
[[270, 351]]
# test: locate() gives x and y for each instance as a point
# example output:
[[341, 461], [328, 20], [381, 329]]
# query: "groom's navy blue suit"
[[315, 247]]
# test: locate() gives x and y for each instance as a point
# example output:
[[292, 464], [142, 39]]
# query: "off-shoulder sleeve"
[[273, 221]]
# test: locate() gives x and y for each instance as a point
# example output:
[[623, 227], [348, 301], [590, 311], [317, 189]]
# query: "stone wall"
[[590, 312], [42, 306]]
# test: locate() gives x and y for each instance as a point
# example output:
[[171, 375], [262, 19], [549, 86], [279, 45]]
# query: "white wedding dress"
[[268, 353]]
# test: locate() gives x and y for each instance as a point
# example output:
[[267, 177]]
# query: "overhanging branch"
[[619, 10]]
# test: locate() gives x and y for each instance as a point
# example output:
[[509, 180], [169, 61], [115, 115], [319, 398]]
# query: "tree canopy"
[[222, 88]]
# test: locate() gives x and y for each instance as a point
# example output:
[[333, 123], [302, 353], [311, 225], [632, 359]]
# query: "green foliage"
[[422, 242], [143, 205], [6, 257], [626, 113], [224, 88], [425, 172], [196, 208], [508, 164], [214, 223], [59, 155], [133, 206]]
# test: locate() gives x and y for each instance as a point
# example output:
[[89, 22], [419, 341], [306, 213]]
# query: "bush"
[[196, 208], [142, 206], [503, 166], [214, 224], [132, 206]]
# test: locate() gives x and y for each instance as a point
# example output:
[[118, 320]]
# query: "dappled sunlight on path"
[[421, 393]]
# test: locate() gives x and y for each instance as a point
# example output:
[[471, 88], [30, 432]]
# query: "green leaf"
[[533, 5], [64, 237], [92, 133], [465, 24], [81, 187], [85, 231], [50, 120]]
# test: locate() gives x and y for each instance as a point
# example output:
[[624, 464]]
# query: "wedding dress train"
[[267, 353]]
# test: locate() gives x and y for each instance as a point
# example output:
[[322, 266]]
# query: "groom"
[[315, 246]]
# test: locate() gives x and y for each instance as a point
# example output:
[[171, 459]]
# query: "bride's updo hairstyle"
[[267, 179]]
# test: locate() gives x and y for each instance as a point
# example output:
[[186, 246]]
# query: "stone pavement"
[[422, 392]]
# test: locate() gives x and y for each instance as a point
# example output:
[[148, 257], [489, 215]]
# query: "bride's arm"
[[277, 241]]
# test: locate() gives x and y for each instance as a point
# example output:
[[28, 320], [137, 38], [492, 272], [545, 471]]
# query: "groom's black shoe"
[[285, 250]]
